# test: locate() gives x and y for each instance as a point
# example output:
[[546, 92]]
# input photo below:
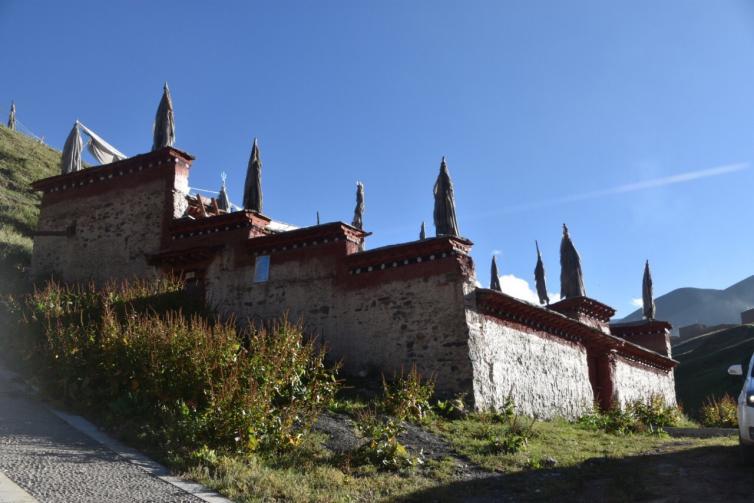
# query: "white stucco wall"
[[545, 377], [632, 382]]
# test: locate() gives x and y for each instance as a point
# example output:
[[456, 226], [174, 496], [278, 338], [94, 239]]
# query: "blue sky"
[[581, 112]]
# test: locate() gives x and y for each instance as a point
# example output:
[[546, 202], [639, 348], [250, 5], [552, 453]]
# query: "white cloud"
[[637, 302], [519, 288]]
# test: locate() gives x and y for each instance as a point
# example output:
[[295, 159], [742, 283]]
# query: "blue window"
[[262, 269]]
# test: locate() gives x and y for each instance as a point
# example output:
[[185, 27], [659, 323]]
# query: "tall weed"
[[720, 412], [408, 396], [640, 416], [150, 360]]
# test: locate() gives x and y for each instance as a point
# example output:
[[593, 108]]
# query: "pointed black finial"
[[445, 204], [539, 278], [494, 276], [252, 195], [318, 218], [358, 212], [164, 122], [422, 232], [571, 277], [648, 302]]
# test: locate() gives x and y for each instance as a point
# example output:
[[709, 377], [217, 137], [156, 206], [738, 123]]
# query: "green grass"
[[567, 443], [704, 362], [22, 161], [311, 474], [580, 455]]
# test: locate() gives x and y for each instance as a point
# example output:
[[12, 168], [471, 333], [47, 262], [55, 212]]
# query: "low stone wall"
[[391, 325], [300, 289], [633, 381], [379, 321], [546, 376]]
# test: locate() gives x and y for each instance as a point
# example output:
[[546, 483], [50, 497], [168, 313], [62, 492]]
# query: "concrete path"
[[44, 458]]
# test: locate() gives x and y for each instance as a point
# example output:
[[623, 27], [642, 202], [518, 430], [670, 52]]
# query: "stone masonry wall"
[[632, 382], [115, 229], [382, 326], [545, 376], [302, 289], [395, 324]]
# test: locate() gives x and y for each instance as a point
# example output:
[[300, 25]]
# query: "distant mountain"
[[686, 306]]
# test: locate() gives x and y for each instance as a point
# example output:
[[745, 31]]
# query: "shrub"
[[719, 412], [408, 396], [650, 416], [615, 420], [452, 409], [654, 414], [382, 447], [131, 355], [517, 430]]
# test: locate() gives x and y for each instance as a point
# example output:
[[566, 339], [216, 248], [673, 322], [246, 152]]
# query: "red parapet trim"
[[453, 264], [424, 249], [586, 306], [407, 261], [505, 307], [72, 182], [304, 237], [184, 257], [186, 227], [644, 327], [522, 326], [641, 364]]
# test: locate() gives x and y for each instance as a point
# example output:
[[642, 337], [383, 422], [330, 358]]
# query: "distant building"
[[697, 329], [747, 317]]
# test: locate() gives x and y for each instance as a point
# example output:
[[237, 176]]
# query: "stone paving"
[[54, 462]]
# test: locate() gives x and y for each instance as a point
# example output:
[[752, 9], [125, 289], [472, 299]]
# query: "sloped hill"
[[685, 306], [704, 361], [22, 160]]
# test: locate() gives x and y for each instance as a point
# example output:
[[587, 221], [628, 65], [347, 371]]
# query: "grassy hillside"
[[22, 160], [704, 361]]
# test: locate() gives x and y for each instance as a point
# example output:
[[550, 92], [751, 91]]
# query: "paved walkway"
[[42, 457]]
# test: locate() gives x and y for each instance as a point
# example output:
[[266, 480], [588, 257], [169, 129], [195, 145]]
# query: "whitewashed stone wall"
[[545, 377], [632, 382]]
